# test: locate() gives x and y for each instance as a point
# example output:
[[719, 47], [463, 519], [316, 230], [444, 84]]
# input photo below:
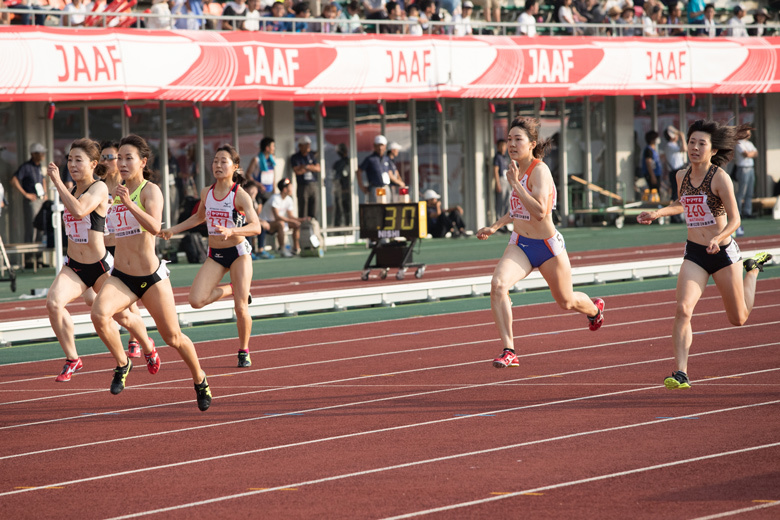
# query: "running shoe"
[[594, 322], [243, 359], [203, 393], [507, 359], [757, 262], [677, 380], [153, 360], [120, 374], [70, 368], [133, 349]]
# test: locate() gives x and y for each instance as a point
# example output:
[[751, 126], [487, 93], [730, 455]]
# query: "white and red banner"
[[52, 64]]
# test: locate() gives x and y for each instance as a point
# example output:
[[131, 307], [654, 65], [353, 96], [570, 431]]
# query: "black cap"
[[282, 183]]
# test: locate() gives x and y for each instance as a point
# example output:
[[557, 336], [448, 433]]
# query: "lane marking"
[[738, 511], [397, 428], [575, 483]]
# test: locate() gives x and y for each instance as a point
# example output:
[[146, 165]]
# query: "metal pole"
[[200, 151], [323, 171], [414, 194], [445, 192], [166, 173], [588, 165]]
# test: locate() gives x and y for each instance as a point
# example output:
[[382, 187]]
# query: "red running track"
[[408, 418], [28, 309]]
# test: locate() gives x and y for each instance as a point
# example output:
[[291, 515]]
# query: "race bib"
[[516, 208], [218, 217], [77, 230], [697, 212], [121, 222]]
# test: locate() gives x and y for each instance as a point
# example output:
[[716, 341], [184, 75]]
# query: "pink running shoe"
[[594, 322], [133, 349], [70, 368], [153, 360], [507, 359]]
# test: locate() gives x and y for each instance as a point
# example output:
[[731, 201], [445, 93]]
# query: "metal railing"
[[137, 19]]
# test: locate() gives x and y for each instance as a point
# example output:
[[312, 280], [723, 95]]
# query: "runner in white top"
[[230, 217], [535, 243]]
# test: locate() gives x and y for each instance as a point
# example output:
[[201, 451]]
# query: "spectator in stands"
[[374, 9], [30, 182], [413, 15], [279, 214], [233, 8], [759, 18], [163, 20], [593, 13], [428, 14], [395, 13], [211, 8], [328, 17], [710, 28], [188, 7], [568, 15], [675, 18], [306, 168], [302, 12], [277, 11], [626, 22], [75, 13], [441, 222], [695, 9], [736, 25], [462, 19], [492, 9], [351, 17], [5, 19], [527, 19], [252, 16], [613, 19], [651, 19]]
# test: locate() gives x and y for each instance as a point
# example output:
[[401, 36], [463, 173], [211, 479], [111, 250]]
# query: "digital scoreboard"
[[408, 220]]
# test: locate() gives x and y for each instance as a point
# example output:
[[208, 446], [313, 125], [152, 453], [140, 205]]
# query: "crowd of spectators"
[[460, 17]]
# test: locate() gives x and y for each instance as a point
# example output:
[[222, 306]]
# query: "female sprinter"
[[230, 217], [135, 219], [87, 263], [711, 212], [108, 158], [535, 243]]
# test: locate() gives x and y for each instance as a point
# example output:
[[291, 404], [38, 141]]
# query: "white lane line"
[[395, 428], [557, 486], [384, 399], [725, 514]]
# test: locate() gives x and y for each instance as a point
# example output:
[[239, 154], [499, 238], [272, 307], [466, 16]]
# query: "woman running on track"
[[108, 158], [535, 243], [712, 215], [230, 217], [135, 219], [87, 263]]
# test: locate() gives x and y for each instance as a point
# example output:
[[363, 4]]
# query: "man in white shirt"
[[279, 212], [744, 156], [75, 13], [462, 20], [527, 19], [736, 25], [709, 21]]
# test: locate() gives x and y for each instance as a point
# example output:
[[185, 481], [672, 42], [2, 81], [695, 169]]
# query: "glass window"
[[250, 131], [428, 143], [455, 114], [105, 123], [10, 157], [398, 129], [67, 127], [338, 187], [217, 130], [598, 140], [182, 145]]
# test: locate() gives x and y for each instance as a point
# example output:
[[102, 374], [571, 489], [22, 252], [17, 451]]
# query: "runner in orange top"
[[535, 243], [712, 215]]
